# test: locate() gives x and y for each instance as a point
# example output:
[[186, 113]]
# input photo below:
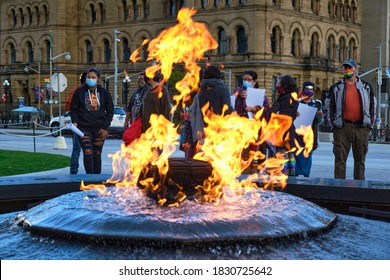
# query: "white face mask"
[[91, 82], [247, 84]]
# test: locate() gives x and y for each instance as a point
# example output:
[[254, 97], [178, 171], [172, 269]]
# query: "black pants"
[[92, 145]]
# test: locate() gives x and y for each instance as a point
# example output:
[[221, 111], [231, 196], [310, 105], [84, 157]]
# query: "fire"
[[185, 43], [225, 136]]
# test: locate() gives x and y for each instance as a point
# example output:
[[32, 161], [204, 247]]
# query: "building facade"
[[307, 39]]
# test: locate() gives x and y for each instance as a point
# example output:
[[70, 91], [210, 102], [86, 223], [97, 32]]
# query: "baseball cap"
[[350, 62], [308, 85]]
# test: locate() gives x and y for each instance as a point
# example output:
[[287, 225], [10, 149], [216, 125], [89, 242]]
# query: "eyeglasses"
[[248, 79]]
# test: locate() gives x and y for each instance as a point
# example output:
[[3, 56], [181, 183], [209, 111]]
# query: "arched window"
[[102, 13], [47, 51], [296, 4], [89, 52], [330, 48], [14, 18], [352, 49], [276, 41], [216, 3], [331, 8], [242, 44], [204, 4], [29, 16], [125, 10], [228, 3], [30, 52], [38, 15], [107, 51], [46, 14], [126, 50], [146, 9], [314, 45], [343, 49], [12, 52], [295, 43], [315, 6], [93, 14], [144, 50], [222, 41], [21, 17], [353, 12], [172, 8], [135, 10]]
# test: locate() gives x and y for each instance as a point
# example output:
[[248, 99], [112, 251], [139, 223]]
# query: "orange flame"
[[185, 43]]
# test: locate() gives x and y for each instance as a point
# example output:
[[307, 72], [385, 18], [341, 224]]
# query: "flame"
[[226, 136], [185, 43]]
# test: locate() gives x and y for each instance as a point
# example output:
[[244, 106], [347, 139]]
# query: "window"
[[46, 14], [30, 52], [343, 49], [14, 18], [21, 17], [125, 10], [30, 16], [135, 10], [126, 50], [295, 43], [93, 14], [47, 51], [38, 15], [296, 4], [107, 51], [352, 49], [315, 6], [216, 3], [276, 40], [242, 44], [330, 48], [172, 8], [314, 45], [13, 53], [102, 13], [89, 52], [222, 42], [228, 3], [146, 9], [204, 4], [144, 50]]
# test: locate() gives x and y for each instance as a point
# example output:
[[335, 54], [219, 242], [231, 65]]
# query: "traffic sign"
[[62, 83]]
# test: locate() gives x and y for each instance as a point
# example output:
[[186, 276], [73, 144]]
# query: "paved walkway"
[[377, 162]]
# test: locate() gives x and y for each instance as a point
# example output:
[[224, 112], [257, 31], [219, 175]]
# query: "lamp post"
[[126, 83], [67, 57], [26, 69], [6, 85], [116, 40]]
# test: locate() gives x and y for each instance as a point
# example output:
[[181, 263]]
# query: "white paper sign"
[[75, 129], [233, 100], [306, 115], [255, 97]]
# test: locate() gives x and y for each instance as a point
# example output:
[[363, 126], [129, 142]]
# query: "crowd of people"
[[352, 115]]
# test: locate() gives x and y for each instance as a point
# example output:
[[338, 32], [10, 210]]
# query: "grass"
[[17, 162]]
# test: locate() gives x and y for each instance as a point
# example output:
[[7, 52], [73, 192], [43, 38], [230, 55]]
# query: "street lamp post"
[[6, 85], [26, 69], [116, 40], [67, 57]]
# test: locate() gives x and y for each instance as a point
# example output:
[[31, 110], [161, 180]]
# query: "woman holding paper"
[[303, 164], [91, 111]]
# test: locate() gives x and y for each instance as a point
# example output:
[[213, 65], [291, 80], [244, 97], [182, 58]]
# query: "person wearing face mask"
[[135, 103], [306, 96], [352, 116], [249, 79], [91, 111], [286, 104]]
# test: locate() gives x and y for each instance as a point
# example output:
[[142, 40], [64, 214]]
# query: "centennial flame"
[[185, 43], [225, 136]]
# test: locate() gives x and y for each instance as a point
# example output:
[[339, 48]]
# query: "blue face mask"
[[91, 82], [247, 84]]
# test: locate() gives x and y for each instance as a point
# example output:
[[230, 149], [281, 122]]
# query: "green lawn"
[[17, 162]]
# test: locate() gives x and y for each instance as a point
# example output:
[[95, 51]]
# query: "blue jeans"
[[74, 159]]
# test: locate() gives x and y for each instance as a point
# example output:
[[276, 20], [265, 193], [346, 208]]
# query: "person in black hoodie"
[[91, 111]]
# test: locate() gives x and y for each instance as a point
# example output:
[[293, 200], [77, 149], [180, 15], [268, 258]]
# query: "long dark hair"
[[288, 83]]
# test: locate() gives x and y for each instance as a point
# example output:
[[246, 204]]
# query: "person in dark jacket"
[[213, 92], [91, 111]]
